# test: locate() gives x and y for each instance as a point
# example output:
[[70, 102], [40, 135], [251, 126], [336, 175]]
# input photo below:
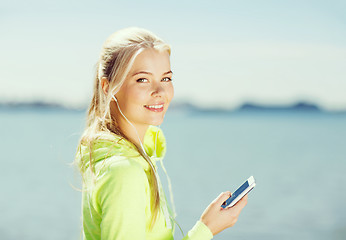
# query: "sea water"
[[297, 158]]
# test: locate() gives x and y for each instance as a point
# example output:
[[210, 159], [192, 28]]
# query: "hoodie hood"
[[155, 143], [109, 145]]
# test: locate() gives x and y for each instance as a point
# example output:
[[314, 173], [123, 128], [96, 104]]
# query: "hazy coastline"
[[300, 106]]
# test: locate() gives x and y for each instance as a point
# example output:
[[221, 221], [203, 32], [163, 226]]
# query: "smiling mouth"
[[154, 108]]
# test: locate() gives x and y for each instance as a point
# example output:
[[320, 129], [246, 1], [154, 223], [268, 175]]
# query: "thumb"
[[222, 198]]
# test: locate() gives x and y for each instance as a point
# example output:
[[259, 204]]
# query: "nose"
[[157, 90]]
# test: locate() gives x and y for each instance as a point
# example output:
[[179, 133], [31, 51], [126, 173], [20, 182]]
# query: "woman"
[[117, 154]]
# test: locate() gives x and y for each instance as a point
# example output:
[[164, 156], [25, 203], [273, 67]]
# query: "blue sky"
[[224, 53]]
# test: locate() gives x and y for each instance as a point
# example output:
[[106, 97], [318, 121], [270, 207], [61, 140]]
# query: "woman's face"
[[147, 91]]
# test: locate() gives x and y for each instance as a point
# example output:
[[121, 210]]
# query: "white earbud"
[[115, 99]]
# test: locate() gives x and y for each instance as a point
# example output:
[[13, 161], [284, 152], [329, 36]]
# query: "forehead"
[[151, 60]]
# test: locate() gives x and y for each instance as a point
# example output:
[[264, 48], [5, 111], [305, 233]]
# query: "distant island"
[[37, 105], [251, 107], [176, 106], [300, 106]]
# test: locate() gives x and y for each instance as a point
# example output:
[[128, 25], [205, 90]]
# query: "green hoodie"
[[116, 196]]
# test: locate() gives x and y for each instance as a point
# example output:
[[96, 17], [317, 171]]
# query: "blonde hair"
[[117, 56]]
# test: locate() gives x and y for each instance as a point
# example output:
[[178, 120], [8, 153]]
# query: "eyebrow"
[[144, 72]]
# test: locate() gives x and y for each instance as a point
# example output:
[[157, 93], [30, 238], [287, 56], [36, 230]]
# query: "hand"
[[217, 218]]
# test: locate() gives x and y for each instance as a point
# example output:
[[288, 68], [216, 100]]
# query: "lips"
[[154, 107]]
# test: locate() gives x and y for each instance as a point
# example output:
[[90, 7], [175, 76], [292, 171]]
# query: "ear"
[[105, 85]]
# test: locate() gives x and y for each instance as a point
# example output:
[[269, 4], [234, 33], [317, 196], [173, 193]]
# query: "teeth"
[[155, 106]]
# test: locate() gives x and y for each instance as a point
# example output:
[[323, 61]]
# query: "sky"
[[224, 53]]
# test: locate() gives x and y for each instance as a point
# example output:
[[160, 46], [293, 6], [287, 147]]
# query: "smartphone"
[[245, 188]]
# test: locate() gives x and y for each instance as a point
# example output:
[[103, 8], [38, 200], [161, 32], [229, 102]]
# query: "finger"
[[222, 197], [242, 203]]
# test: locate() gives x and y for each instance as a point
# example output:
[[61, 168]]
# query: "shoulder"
[[120, 180], [120, 169]]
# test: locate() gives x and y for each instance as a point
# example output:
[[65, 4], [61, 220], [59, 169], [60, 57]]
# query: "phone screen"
[[236, 194]]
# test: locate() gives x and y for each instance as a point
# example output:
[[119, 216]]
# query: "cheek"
[[126, 100], [170, 92], [136, 95]]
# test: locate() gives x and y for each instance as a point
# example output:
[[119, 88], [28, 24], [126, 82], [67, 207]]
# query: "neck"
[[134, 133]]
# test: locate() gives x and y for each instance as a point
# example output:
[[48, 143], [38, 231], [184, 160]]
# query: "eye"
[[166, 79], [142, 80]]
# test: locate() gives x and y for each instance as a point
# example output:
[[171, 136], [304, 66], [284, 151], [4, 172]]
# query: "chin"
[[156, 122]]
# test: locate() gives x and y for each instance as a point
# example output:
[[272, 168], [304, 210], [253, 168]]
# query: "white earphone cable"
[[165, 208]]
